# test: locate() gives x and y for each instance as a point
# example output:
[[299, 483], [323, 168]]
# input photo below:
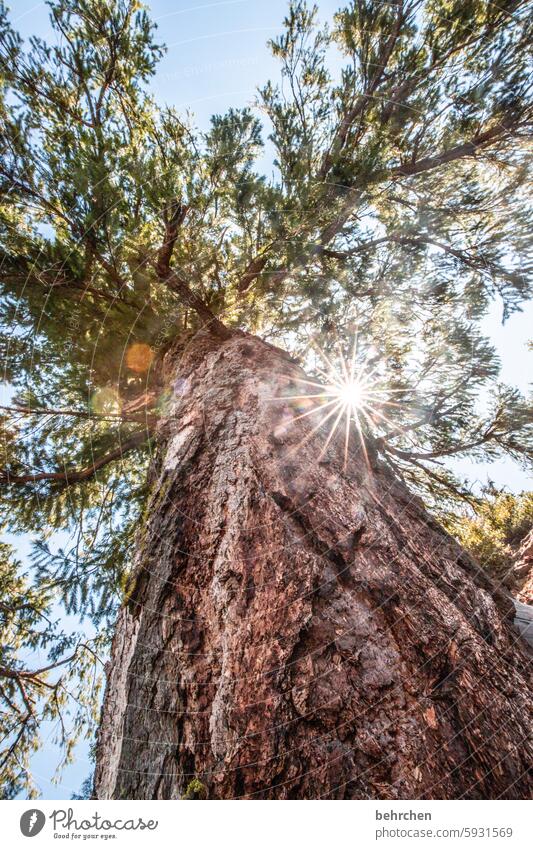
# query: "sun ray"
[[351, 390], [316, 410], [311, 433], [301, 397], [362, 441], [346, 439], [332, 430], [308, 382]]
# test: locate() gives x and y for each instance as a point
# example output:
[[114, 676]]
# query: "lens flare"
[[350, 395], [139, 357], [105, 401]]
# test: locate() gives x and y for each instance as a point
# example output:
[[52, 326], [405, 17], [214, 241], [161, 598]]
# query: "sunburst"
[[350, 396]]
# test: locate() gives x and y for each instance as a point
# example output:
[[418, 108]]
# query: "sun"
[[351, 396]]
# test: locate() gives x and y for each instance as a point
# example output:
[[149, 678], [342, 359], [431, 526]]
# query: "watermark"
[[214, 67], [32, 822], [403, 815], [68, 826]]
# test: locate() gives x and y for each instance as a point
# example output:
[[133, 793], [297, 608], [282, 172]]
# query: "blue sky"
[[216, 59]]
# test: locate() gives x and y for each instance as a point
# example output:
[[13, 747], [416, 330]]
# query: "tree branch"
[[468, 149], [477, 264], [460, 151], [188, 297], [172, 227], [70, 477], [341, 134], [84, 414], [33, 675], [251, 272], [177, 284]]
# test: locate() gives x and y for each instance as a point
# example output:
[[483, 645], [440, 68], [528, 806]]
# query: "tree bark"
[[296, 629]]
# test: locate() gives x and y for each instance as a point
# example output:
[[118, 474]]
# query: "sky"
[[217, 57]]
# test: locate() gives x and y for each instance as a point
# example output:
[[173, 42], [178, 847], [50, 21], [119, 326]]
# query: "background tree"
[[397, 212], [495, 534]]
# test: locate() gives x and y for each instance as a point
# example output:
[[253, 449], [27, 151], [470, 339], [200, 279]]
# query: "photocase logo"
[[32, 822], [63, 822]]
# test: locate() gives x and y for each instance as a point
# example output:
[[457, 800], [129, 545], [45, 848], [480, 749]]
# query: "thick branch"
[[251, 272], [447, 452], [172, 226], [463, 151], [460, 151], [258, 263], [188, 297], [177, 284]]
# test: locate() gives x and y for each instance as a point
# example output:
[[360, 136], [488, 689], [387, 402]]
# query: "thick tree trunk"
[[297, 630]]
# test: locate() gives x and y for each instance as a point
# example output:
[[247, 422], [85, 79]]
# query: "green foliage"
[[62, 690], [493, 534], [86, 789], [397, 212], [195, 790]]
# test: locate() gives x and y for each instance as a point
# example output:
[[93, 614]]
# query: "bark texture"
[[297, 630]]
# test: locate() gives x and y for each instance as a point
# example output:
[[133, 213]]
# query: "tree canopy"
[[395, 213]]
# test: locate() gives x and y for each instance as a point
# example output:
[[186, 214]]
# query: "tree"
[[191, 338], [496, 534]]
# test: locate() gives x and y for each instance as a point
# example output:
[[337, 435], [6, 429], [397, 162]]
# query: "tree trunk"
[[296, 629]]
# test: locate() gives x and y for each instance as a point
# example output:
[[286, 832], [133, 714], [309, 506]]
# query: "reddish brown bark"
[[296, 630]]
